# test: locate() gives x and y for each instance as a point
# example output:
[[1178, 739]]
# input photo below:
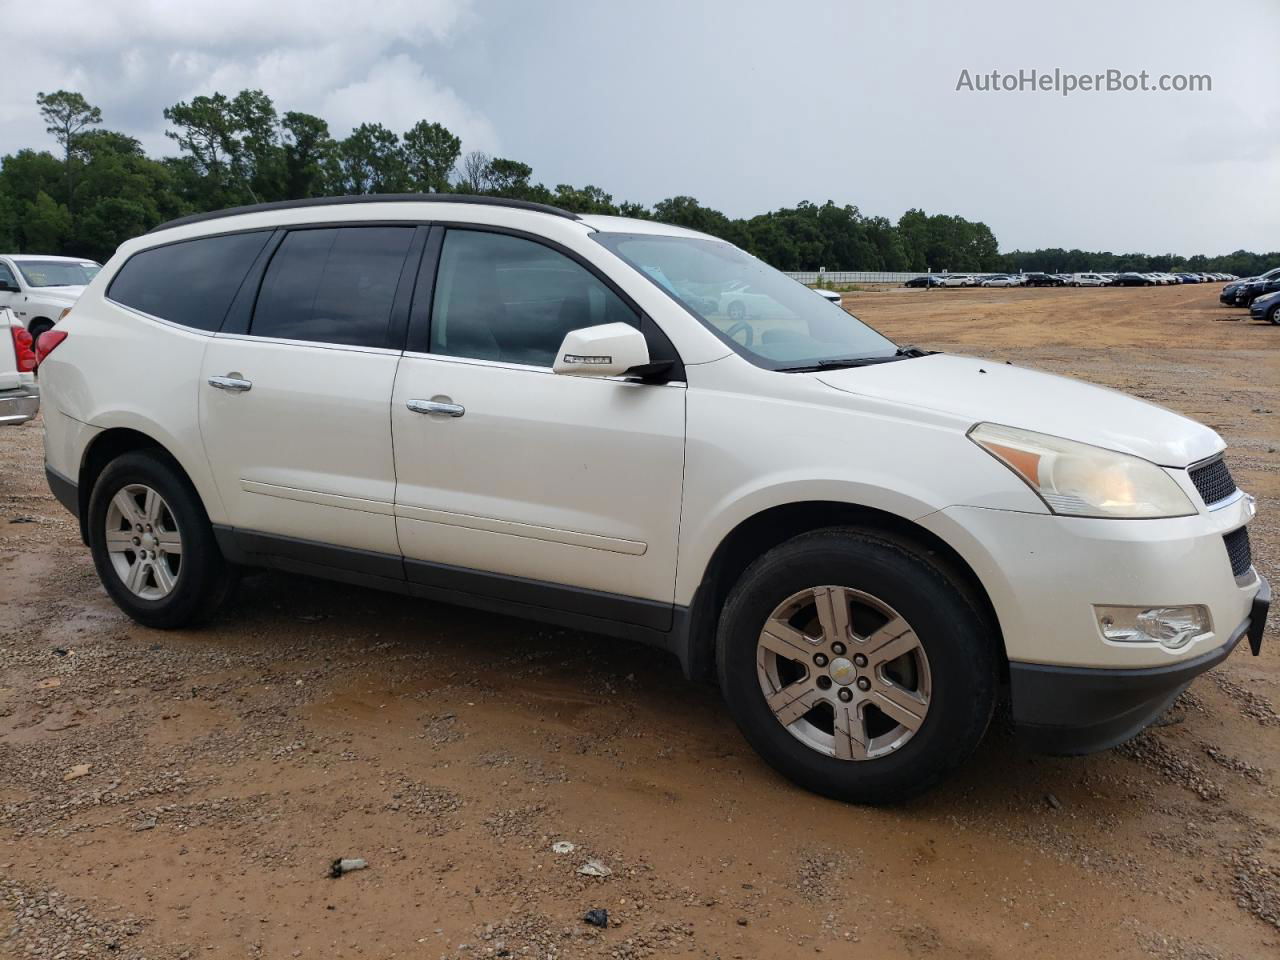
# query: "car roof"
[[609, 224], [42, 257], [601, 223]]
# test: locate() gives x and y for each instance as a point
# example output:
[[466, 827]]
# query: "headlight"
[[1079, 480]]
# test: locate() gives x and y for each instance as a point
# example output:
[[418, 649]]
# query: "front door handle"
[[441, 407], [232, 383]]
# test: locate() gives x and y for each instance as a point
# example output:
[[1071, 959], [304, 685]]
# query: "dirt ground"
[[183, 794]]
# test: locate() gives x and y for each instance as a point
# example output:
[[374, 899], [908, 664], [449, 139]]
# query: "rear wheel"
[[855, 666], [153, 545], [1273, 314]]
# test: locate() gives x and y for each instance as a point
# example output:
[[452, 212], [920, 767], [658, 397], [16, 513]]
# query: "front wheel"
[[153, 545], [856, 666], [1273, 314], [38, 327]]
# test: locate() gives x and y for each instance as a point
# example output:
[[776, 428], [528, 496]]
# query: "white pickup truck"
[[39, 289], [19, 395]]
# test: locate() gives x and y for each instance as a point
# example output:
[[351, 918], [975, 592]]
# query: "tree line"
[[101, 188]]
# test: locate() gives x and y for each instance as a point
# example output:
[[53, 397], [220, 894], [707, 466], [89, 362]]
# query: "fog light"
[[1171, 627]]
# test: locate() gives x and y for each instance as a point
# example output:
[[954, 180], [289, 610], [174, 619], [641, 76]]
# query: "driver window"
[[504, 298], [7, 277]]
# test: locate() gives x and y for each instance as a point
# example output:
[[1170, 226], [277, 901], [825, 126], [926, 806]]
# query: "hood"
[[68, 294], [987, 391]]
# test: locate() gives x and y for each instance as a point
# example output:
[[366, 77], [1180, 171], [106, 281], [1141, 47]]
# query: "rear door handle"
[[234, 384], [440, 407]]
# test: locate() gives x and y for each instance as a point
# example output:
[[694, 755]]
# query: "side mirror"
[[607, 350]]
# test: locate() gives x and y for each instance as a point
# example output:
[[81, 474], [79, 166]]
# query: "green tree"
[[67, 115], [256, 156], [371, 161], [508, 178], [45, 225], [309, 155], [430, 153], [206, 130]]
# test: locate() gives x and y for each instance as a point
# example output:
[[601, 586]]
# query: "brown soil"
[[227, 767]]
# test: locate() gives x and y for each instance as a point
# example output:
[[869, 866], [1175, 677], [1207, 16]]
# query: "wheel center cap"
[[149, 541], [843, 671]]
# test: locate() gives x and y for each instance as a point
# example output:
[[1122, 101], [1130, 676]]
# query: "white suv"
[[518, 409]]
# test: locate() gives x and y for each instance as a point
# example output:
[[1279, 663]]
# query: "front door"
[[294, 412], [566, 488]]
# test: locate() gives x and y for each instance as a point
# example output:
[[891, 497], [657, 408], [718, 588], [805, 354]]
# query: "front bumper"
[[20, 405], [1074, 710]]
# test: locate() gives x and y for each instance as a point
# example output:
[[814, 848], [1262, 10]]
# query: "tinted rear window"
[[192, 282], [333, 285]]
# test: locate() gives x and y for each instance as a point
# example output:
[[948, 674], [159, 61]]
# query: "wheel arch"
[[772, 526], [106, 447]]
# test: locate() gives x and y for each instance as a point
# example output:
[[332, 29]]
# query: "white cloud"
[[399, 93], [134, 57]]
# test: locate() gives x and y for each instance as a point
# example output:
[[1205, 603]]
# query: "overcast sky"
[[746, 105]]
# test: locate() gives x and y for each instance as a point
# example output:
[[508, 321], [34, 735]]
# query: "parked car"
[[1043, 280], [1190, 278], [521, 412], [1230, 291], [1132, 280], [40, 289], [1266, 307], [1246, 293], [958, 280], [927, 281], [19, 395], [1087, 280]]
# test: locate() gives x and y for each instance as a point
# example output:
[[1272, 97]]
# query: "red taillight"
[[22, 350], [47, 342]]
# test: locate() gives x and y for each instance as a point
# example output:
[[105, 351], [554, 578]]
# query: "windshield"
[[57, 273], [762, 314]]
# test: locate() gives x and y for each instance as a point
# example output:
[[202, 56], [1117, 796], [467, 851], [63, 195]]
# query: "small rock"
[[594, 868], [597, 918], [147, 824], [1053, 801], [76, 772], [49, 683], [562, 846]]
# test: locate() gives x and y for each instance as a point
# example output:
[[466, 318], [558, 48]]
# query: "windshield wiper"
[[902, 353]]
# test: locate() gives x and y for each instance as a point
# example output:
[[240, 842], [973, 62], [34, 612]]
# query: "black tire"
[[39, 326], [960, 646], [204, 578], [1273, 315]]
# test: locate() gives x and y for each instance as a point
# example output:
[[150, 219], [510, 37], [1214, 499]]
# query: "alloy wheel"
[[843, 672], [143, 542]]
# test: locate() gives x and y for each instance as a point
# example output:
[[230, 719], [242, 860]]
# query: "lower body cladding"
[[1057, 582], [20, 405]]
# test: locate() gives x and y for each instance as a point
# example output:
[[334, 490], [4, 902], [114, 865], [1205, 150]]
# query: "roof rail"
[[368, 198]]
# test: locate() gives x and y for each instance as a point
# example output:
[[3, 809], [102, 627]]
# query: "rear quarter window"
[[191, 282]]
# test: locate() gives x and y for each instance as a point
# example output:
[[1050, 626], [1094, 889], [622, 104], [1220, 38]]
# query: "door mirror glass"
[[607, 350]]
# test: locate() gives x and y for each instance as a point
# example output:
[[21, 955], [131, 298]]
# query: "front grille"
[[1213, 480], [1237, 543]]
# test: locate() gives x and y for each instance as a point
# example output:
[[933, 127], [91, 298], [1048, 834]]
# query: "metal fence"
[[811, 277], [841, 277]]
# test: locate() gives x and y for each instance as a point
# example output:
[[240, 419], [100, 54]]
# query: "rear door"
[[532, 486], [295, 393]]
